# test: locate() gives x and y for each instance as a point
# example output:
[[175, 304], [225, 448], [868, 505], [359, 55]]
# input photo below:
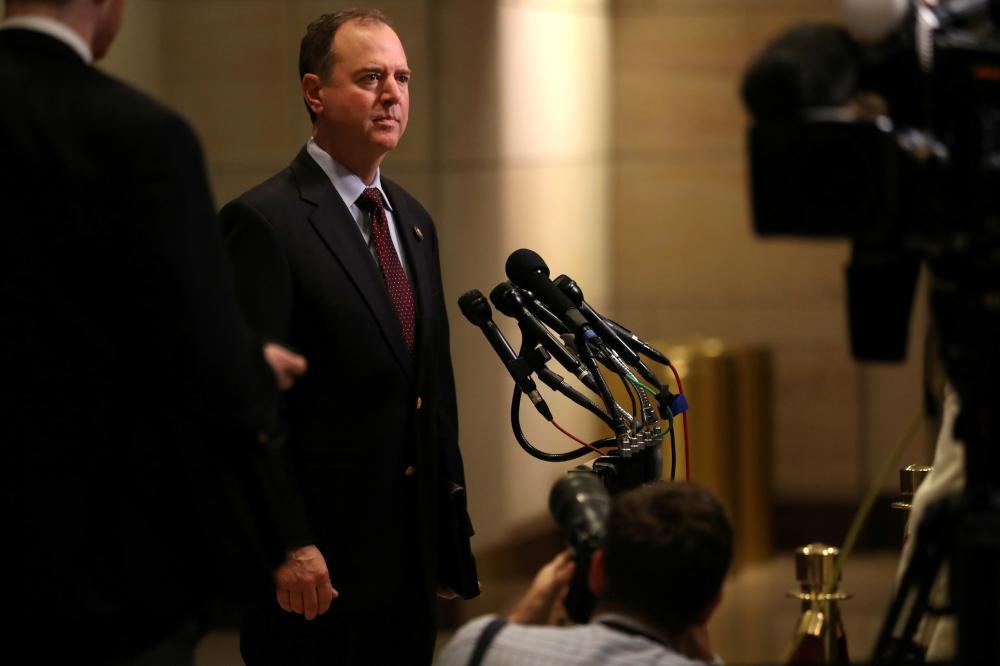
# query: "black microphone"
[[512, 302], [545, 315], [509, 300], [604, 331], [528, 270], [572, 290], [638, 344], [811, 65], [478, 311]]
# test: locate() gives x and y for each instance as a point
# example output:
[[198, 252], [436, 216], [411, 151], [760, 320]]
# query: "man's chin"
[[385, 140]]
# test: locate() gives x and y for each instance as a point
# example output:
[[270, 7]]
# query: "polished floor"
[[753, 625]]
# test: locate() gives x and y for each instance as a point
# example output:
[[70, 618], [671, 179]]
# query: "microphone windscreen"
[[475, 308], [522, 263]]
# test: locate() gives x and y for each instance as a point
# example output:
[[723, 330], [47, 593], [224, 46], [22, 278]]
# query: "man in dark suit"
[[128, 371], [341, 264]]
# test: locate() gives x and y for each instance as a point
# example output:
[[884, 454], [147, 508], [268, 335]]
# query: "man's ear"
[[312, 86], [596, 578]]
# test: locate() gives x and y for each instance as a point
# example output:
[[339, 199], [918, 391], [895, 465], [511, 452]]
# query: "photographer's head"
[[666, 553]]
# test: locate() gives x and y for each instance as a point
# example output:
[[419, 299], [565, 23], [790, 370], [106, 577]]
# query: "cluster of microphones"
[[557, 323]]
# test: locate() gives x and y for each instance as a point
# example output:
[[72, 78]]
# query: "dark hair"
[[315, 52], [667, 550]]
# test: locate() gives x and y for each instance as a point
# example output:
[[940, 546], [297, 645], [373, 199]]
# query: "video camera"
[[895, 145], [580, 505], [890, 136]]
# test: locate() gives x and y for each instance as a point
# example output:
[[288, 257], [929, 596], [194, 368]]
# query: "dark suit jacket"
[[128, 369], [366, 410]]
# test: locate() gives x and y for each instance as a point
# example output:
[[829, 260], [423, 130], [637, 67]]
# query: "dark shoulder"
[[274, 203], [134, 112], [271, 197], [80, 103]]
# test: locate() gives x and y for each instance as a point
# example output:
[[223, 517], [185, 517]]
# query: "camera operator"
[[657, 579]]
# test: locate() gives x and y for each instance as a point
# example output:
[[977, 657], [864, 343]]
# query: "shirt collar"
[[54, 29], [638, 626], [348, 185]]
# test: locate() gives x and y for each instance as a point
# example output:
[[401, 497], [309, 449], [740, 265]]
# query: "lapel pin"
[[418, 233]]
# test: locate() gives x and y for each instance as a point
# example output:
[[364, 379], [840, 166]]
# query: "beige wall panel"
[[765, 26], [680, 111], [560, 211], [228, 72], [817, 449], [795, 324], [468, 87], [688, 225], [661, 42], [137, 54], [469, 219], [554, 84], [725, 7]]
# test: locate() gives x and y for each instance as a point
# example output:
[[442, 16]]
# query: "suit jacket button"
[[420, 402], [410, 471]]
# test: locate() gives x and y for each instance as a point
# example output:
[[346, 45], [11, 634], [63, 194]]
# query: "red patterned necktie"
[[400, 291]]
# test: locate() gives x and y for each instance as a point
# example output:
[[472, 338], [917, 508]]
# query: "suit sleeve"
[[263, 284], [261, 274], [180, 265]]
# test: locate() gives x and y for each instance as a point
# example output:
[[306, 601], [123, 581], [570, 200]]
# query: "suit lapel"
[[418, 257], [338, 231]]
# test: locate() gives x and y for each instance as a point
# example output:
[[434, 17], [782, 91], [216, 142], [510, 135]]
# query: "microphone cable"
[[684, 421], [515, 422], [575, 438]]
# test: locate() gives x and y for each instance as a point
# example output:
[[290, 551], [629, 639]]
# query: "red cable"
[[574, 437], [684, 419]]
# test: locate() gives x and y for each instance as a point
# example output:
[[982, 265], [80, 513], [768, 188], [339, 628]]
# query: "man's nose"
[[391, 91]]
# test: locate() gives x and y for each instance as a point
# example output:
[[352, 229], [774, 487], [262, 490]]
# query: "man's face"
[[366, 101]]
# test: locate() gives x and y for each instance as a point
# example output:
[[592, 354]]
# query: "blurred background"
[[609, 137]]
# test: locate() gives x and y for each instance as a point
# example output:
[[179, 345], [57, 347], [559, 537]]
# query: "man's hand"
[[286, 365], [542, 604], [303, 583]]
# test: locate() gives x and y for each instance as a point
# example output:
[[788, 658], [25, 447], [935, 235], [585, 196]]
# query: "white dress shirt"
[[349, 186]]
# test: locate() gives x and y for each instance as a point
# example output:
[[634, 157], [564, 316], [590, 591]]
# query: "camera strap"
[[485, 639]]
